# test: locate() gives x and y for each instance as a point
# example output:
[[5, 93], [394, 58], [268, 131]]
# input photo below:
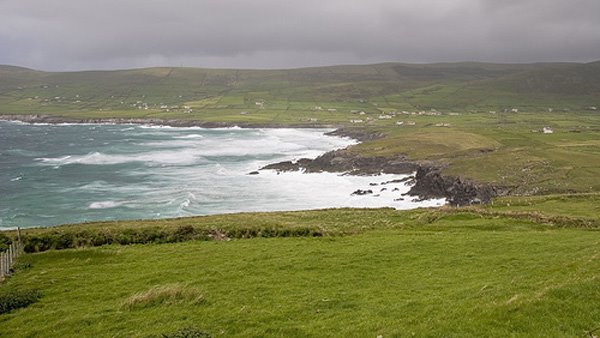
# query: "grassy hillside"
[[454, 273], [221, 92]]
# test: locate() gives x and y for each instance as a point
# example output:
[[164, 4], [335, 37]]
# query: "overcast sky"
[[109, 34]]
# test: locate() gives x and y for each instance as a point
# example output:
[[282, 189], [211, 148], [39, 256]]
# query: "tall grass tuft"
[[164, 294]]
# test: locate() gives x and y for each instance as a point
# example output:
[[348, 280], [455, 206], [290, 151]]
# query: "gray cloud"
[[94, 34]]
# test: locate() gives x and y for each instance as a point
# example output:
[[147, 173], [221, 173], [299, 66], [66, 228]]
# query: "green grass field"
[[448, 273]]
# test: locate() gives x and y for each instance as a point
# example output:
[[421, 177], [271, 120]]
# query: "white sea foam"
[[105, 204], [176, 171], [185, 157], [191, 136]]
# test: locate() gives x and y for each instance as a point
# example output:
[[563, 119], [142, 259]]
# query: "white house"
[[547, 130]]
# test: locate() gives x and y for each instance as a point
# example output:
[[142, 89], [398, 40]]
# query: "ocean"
[[71, 173]]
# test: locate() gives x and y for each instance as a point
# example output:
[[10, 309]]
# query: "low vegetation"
[[491, 270], [5, 242], [164, 295], [13, 299]]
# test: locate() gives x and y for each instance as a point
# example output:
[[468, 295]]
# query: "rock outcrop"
[[430, 183], [346, 161]]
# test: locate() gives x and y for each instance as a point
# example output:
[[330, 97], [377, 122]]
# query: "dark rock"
[[357, 134], [360, 192], [383, 189], [344, 160], [430, 183], [373, 184], [253, 173], [406, 179]]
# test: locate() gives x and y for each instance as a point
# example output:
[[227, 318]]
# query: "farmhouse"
[[547, 130]]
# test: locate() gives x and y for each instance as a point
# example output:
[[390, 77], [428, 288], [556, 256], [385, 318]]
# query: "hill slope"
[[402, 86]]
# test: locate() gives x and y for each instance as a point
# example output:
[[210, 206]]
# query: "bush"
[[5, 241], [16, 299]]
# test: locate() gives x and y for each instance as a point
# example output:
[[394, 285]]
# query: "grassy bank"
[[456, 275], [493, 271]]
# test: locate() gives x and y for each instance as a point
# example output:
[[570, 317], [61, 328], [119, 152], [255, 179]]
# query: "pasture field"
[[428, 272]]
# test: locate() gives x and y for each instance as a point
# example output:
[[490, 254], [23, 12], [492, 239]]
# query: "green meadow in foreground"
[[450, 272]]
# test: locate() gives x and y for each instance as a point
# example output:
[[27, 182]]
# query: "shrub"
[[5, 241], [16, 299]]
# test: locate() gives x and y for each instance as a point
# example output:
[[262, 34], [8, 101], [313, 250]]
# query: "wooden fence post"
[[8, 258], [1, 265]]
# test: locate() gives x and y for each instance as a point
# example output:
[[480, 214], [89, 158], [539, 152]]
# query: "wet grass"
[[457, 277], [492, 271]]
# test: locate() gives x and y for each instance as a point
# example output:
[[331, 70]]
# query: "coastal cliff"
[[429, 181]]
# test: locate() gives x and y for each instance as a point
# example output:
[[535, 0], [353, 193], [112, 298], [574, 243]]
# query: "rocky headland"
[[429, 182]]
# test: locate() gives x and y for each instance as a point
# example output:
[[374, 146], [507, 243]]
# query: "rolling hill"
[[447, 86]]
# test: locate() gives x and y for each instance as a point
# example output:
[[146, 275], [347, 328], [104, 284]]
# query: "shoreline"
[[177, 123], [430, 183]]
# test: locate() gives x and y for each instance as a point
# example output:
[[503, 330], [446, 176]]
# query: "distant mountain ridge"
[[442, 85]]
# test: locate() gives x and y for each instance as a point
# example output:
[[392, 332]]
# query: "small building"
[[384, 117], [547, 130], [331, 110], [514, 110], [399, 123], [356, 121]]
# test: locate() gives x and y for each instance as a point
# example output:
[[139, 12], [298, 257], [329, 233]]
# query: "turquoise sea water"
[[57, 174]]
